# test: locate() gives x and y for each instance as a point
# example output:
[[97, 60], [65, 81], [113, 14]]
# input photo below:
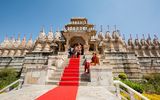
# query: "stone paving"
[[34, 91]]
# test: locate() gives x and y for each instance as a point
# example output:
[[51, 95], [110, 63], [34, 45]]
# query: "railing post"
[[20, 84], [118, 91], [131, 95]]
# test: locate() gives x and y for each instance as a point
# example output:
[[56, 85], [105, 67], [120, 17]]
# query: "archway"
[[77, 40]]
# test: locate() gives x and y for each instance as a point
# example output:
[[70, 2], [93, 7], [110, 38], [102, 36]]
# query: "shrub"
[[7, 76], [122, 76], [151, 83], [136, 86]]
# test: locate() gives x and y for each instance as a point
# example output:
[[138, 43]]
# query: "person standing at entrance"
[[79, 50]]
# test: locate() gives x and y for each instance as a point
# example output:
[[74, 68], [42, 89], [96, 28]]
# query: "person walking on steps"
[[87, 66]]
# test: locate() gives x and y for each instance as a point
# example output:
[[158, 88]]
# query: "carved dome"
[[107, 35], [18, 53], [130, 42], [24, 52], [5, 53], [50, 36], [47, 47], [38, 47], [58, 35], [136, 42], [155, 42], [30, 43], [42, 35], [23, 43], [11, 53], [100, 35], [17, 43], [143, 42]]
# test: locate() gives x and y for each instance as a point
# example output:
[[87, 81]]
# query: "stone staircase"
[[56, 76]]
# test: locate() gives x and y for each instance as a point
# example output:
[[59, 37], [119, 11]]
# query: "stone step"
[[62, 69], [81, 78], [55, 82], [60, 73]]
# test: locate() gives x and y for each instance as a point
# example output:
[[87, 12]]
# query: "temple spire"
[[115, 27], [18, 36], [155, 36], [131, 36], [6, 37], [30, 36], [101, 28], [123, 37], [24, 38], [149, 37], [137, 36], [42, 30], [108, 28], [51, 29], [143, 37]]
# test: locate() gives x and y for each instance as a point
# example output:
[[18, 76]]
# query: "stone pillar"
[[158, 55], [144, 54], [112, 47], [59, 46], [101, 76], [86, 49], [150, 53]]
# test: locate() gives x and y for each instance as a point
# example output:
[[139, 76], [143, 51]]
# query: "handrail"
[[129, 88], [13, 83]]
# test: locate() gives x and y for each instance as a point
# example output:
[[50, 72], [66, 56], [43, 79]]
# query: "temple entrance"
[[74, 41]]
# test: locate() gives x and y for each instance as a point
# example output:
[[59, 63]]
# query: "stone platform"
[[31, 92]]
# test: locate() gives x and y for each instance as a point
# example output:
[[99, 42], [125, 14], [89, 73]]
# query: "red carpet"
[[70, 76], [68, 85]]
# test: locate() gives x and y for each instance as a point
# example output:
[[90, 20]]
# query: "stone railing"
[[131, 93], [9, 87]]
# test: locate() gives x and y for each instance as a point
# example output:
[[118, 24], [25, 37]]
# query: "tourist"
[[94, 60], [87, 66], [79, 48], [70, 51], [75, 50]]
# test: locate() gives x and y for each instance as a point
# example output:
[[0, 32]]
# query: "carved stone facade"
[[134, 57]]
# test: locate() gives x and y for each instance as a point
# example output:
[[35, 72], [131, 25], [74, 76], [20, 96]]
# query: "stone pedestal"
[[101, 76]]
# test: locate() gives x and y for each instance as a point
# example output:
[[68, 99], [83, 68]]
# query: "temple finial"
[[108, 28], [137, 36], [131, 36], [94, 26], [42, 30], [18, 36], [24, 38], [57, 29], [123, 37], [143, 37], [115, 27], [155, 36], [30, 36], [101, 28], [6, 37], [149, 37], [51, 29]]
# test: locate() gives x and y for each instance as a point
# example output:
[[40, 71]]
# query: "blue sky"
[[28, 16]]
